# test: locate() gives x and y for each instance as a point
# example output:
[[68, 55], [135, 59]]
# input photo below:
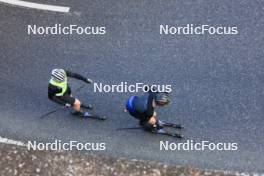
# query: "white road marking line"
[[37, 5], [10, 141]]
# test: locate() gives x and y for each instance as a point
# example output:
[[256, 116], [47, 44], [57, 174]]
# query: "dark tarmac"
[[217, 80]]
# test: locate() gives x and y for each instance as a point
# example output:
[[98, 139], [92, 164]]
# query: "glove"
[[89, 81]]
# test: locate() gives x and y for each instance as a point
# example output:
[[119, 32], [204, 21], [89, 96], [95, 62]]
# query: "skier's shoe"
[[89, 115], [77, 113], [89, 106], [81, 114], [86, 114]]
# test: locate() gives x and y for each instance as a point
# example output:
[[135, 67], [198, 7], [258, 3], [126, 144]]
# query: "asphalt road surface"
[[217, 80]]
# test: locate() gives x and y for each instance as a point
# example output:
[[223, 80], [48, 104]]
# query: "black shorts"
[[146, 125], [67, 99]]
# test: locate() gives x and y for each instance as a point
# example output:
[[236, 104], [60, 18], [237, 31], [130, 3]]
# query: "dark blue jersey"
[[141, 107]]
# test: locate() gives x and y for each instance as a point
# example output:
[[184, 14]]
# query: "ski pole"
[[53, 111]]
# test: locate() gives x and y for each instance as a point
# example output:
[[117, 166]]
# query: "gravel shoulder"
[[17, 160]]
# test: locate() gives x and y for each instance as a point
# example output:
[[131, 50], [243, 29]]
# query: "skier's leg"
[[153, 120], [150, 125], [156, 122], [77, 105], [154, 125], [146, 126], [74, 102], [77, 111]]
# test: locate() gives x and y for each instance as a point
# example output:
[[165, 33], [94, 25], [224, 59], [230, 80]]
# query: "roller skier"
[[143, 108], [59, 91]]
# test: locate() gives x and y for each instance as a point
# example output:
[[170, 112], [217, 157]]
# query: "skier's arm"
[[78, 76], [150, 112]]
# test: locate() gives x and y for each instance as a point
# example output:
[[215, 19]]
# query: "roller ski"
[[88, 106], [162, 131], [89, 115], [143, 109], [169, 124]]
